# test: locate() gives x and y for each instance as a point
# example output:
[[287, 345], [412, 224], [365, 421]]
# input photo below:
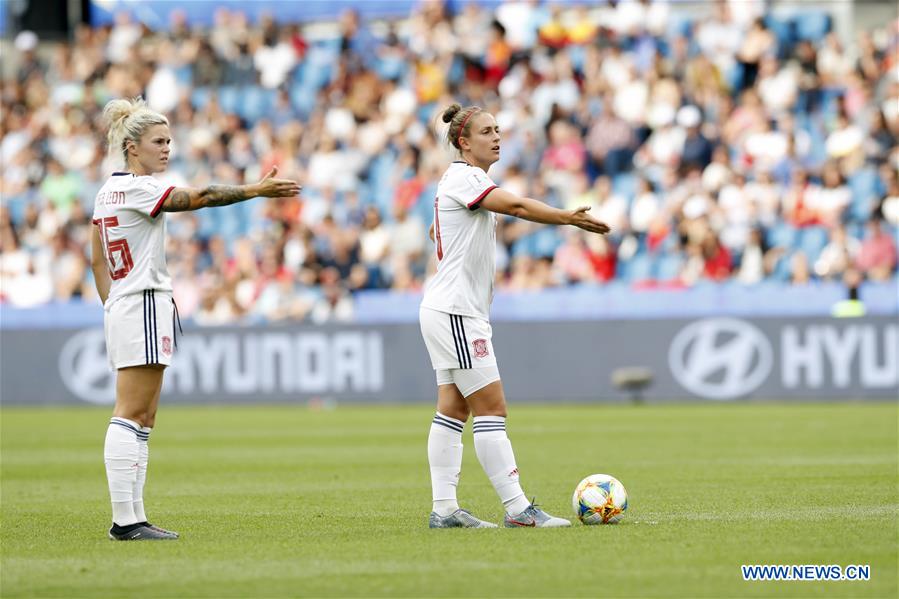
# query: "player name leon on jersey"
[[111, 198]]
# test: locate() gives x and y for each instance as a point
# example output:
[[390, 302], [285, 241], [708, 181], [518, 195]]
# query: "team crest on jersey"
[[167, 345], [480, 348]]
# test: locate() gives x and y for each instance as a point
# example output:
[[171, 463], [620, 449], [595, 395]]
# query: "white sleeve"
[[472, 187], [146, 195]]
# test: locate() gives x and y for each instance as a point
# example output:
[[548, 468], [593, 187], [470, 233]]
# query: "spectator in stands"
[[757, 44], [610, 141], [697, 150], [877, 255], [838, 255], [718, 262], [753, 265], [831, 199]]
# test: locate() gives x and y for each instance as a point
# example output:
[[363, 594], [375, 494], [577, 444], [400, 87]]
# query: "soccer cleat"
[[171, 533], [534, 517], [139, 532], [458, 519]]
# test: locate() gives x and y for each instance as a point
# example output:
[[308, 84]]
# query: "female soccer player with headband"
[[455, 322]]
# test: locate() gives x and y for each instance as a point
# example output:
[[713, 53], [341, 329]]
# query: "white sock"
[[445, 459], [122, 456], [143, 459], [495, 454]]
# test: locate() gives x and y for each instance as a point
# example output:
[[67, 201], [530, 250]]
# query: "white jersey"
[[465, 238], [132, 230]]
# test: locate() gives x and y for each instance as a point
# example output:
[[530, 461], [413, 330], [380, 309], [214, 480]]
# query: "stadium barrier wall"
[[718, 358]]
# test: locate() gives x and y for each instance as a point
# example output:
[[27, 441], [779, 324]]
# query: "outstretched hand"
[[582, 220], [278, 188]]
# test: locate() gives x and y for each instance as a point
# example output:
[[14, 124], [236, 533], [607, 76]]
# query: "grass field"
[[285, 501]]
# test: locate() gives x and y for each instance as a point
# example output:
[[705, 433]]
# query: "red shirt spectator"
[[717, 260]]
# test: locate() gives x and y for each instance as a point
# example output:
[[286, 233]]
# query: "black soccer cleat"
[[159, 529], [139, 532]]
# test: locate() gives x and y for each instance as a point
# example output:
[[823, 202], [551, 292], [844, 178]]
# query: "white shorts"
[[456, 341], [140, 329], [468, 380]]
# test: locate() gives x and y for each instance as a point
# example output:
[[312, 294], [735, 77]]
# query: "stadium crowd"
[[733, 147]]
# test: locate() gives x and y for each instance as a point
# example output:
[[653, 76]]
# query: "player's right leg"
[[445, 458], [445, 436]]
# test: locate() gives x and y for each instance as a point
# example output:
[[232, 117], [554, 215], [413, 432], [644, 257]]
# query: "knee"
[[492, 408], [459, 414], [499, 410]]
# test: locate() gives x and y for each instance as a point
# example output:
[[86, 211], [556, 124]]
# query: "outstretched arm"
[[506, 202], [186, 198]]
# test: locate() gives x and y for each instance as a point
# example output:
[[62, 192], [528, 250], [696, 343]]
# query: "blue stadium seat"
[[638, 269], [782, 268], [780, 235], [546, 241], [625, 184], [679, 26], [855, 229], [255, 102], [734, 76], [829, 106], [318, 66], [390, 68], [783, 30], [302, 98], [812, 240], [229, 225], [668, 267], [199, 97], [207, 223], [866, 188], [229, 98], [183, 75], [16, 206], [577, 54], [812, 25], [523, 246]]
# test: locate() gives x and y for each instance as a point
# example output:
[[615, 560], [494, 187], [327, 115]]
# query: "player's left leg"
[[485, 396], [143, 462]]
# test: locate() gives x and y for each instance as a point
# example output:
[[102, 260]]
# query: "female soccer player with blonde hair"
[[128, 262], [455, 322]]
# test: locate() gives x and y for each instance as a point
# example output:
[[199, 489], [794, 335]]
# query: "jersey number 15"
[[116, 246]]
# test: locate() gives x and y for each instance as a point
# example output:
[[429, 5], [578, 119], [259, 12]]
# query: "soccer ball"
[[599, 499]]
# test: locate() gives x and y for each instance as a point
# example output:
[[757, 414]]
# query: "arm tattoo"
[[178, 201], [223, 195], [213, 195]]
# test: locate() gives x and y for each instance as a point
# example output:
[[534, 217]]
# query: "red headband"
[[462, 128]]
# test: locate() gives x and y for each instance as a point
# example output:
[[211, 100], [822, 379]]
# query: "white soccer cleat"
[[534, 517], [458, 519]]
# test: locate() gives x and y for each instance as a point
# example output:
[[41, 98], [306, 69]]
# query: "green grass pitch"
[[287, 501]]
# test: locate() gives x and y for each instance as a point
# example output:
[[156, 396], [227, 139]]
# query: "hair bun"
[[450, 112], [115, 110]]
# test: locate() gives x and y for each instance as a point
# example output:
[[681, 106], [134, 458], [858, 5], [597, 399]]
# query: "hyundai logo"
[[720, 358], [84, 368]]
